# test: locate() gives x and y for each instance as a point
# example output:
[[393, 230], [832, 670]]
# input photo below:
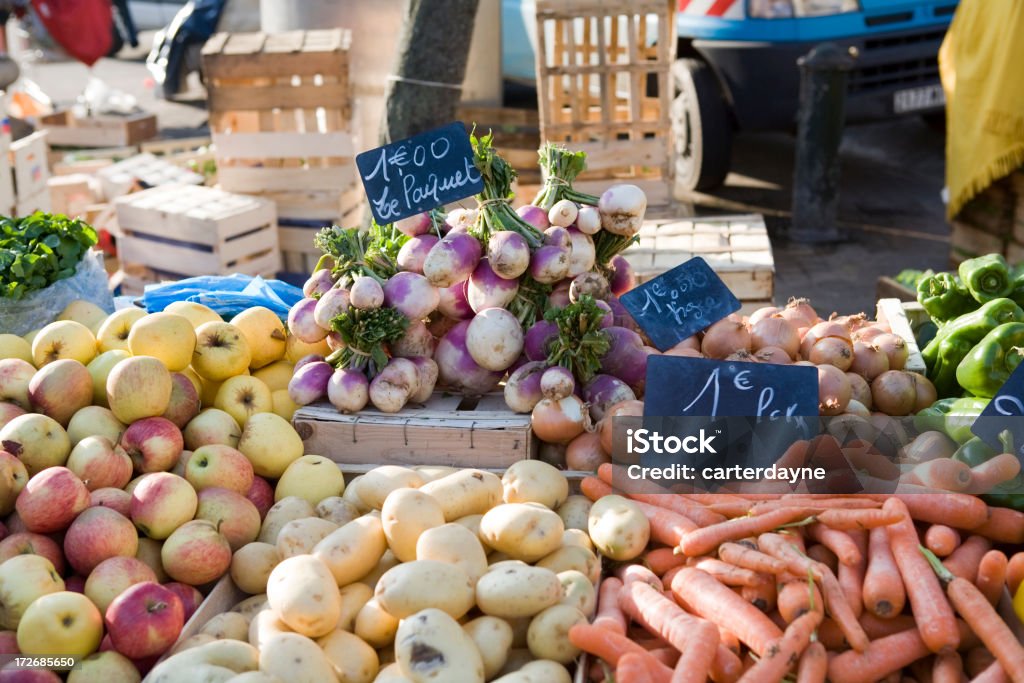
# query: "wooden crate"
[[146, 170], [7, 196], [195, 154], [596, 63], [40, 201], [888, 288], [892, 312], [736, 247], [516, 136], [67, 130], [185, 230], [29, 161], [447, 430], [71, 195]]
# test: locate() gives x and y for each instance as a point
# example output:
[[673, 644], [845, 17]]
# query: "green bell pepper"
[[974, 451], [944, 297], [986, 277], [989, 364], [961, 416], [933, 418]]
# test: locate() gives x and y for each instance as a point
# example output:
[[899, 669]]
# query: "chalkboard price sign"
[[419, 173], [680, 302], [1004, 412]]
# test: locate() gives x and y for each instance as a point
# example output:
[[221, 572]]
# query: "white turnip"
[[414, 252], [494, 339], [487, 289], [332, 303], [559, 421], [549, 264], [348, 390], [417, 341], [318, 283], [452, 259], [557, 382], [604, 391], [522, 388], [508, 253], [535, 216], [563, 213], [622, 209], [411, 295], [302, 322], [309, 383], [426, 369], [420, 224], [588, 220], [461, 219], [456, 368], [366, 293], [590, 283], [581, 253], [454, 301], [392, 388]]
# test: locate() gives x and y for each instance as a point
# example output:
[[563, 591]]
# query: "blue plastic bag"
[[228, 295]]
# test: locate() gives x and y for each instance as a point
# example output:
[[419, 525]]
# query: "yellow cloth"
[[981, 62]]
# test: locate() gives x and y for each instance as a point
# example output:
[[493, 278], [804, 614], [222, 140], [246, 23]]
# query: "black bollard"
[[823, 74]]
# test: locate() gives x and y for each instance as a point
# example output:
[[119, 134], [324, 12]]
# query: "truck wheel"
[[701, 125]]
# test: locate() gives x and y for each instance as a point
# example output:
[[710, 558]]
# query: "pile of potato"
[[413, 574]]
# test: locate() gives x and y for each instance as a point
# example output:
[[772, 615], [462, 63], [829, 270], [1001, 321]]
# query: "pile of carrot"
[[909, 588]]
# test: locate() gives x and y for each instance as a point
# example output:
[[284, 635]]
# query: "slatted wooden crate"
[[603, 87], [195, 154], [447, 430], [516, 136], [898, 315], [187, 230], [68, 130]]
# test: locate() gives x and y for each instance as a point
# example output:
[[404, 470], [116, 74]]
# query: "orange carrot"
[[880, 628], [729, 574], [928, 602], [785, 547], [1002, 526], [611, 647], [666, 581], [947, 668], [784, 652], [631, 573], [1015, 572], [883, 657], [695, 662], [841, 611], [993, 674], [657, 613], [851, 577], [820, 553], [883, 593], [838, 542], [992, 472], [633, 667], [958, 510], [686, 505], [705, 596], [978, 659], [813, 665], [797, 598], [707, 539], [965, 559], [666, 526], [666, 655], [762, 596], [748, 558], [943, 473], [609, 616], [941, 539], [845, 520], [661, 560], [991, 579]]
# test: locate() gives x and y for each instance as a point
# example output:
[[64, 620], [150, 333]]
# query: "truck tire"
[[701, 125]]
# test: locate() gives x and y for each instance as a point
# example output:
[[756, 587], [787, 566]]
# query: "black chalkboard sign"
[[419, 173], [1004, 412], [680, 302]]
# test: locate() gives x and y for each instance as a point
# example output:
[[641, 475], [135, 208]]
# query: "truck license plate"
[[915, 99]]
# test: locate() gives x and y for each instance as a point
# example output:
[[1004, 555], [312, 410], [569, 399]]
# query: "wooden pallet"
[[736, 247], [595, 62], [447, 430], [67, 130]]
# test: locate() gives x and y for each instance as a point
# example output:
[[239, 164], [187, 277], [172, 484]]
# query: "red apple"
[[196, 553], [14, 524], [261, 494], [3, 531], [51, 500], [15, 376], [221, 466], [115, 575], [100, 464], [233, 514], [153, 444], [9, 411], [190, 597], [182, 463], [115, 499], [184, 403], [145, 620], [13, 477], [97, 534], [9, 674], [161, 503], [75, 584], [28, 543], [9, 643], [60, 389]]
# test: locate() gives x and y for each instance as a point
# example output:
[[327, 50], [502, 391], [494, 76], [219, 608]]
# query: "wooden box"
[[185, 230], [145, 169], [7, 197], [72, 194], [447, 430], [516, 136], [67, 130], [27, 205], [603, 84], [30, 164], [895, 313]]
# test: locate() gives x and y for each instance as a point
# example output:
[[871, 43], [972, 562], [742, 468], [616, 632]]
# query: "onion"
[[868, 333], [775, 331], [857, 408], [584, 453], [773, 355], [552, 453], [861, 390], [893, 346], [800, 313], [894, 393], [724, 337], [522, 389], [557, 383], [851, 322], [924, 391], [826, 328], [624, 409], [832, 351], [559, 421], [741, 356], [833, 390], [762, 313], [868, 360], [682, 353]]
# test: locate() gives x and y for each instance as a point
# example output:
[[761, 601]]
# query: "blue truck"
[[736, 67]]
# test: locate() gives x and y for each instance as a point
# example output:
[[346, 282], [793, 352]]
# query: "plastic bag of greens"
[[41, 307], [228, 295]]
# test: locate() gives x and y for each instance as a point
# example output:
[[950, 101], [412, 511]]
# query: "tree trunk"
[[430, 68]]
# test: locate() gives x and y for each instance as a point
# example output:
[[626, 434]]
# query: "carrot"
[[632, 573], [813, 665], [944, 473], [851, 577], [838, 542], [666, 655], [992, 472], [928, 602], [748, 558], [978, 659], [993, 674], [633, 667], [661, 560], [965, 559], [1002, 526], [609, 616], [705, 540], [958, 510], [762, 596], [666, 526], [1015, 572], [695, 662], [948, 668], [611, 647], [785, 547], [729, 574], [880, 628], [666, 581], [883, 593], [686, 505], [941, 539], [820, 553], [797, 598], [846, 520], [841, 612], [883, 657], [708, 598], [784, 653], [991, 579]]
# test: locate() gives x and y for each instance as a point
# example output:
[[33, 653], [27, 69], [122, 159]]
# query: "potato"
[[353, 597], [534, 481], [431, 647], [353, 660], [296, 659], [386, 562], [548, 637], [282, 512], [302, 592], [538, 671], [466, 492], [353, 550], [192, 641], [351, 495], [618, 528], [375, 625], [406, 514], [251, 606], [578, 591], [264, 626], [232, 655], [573, 557], [472, 522], [524, 531], [408, 588], [493, 638], [456, 545], [252, 564], [197, 673], [300, 536], [518, 657], [227, 625], [574, 512], [392, 673], [577, 537], [336, 509], [255, 677], [517, 590], [375, 485], [432, 472]]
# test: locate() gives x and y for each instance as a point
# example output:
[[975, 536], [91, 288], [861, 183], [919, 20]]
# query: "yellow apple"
[[266, 334], [113, 332], [277, 375], [63, 624], [37, 440], [242, 397], [221, 351], [63, 339], [23, 580], [211, 426], [197, 313], [85, 312], [270, 443], [283, 404], [196, 380], [94, 421], [296, 349], [13, 477], [104, 667], [139, 387], [100, 368], [166, 336], [312, 477], [13, 346]]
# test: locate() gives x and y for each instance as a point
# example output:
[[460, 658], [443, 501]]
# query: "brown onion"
[[851, 322], [893, 392], [775, 331], [855, 407], [552, 453], [826, 328], [691, 342], [624, 409], [833, 390], [560, 421], [832, 351], [800, 313], [773, 355], [584, 453], [868, 360], [861, 390], [742, 356], [894, 347], [925, 392], [725, 337], [762, 313], [868, 333]]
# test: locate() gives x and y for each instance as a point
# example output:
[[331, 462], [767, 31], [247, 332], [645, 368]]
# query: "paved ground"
[[892, 175]]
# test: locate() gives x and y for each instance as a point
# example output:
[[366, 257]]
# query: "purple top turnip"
[[420, 224], [309, 383], [417, 341], [549, 264], [604, 391], [302, 323], [622, 209], [623, 277], [494, 339], [487, 290], [588, 220], [454, 301], [508, 253], [414, 252], [522, 389], [318, 283], [452, 259], [348, 390], [535, 216], [411, 295], [537, 341], [557, 382], [392, 388], [366, 293], [625, 358], [563, 213], [332, 303], [456, 368], [462, 219], [557, 237], [427, 369], [582, 253]]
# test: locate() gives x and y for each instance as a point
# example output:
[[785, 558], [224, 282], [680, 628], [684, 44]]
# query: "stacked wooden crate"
[[30, 167], [516, 136], [68, 130], [280, 117], [603, 87]]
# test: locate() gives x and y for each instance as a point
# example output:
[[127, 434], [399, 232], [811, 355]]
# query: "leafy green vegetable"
[[373, 253], [581, 343], [365, 332], [38, 250], [496, 212]]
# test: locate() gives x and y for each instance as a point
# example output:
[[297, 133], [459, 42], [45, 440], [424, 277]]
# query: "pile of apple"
[[137, 453]]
